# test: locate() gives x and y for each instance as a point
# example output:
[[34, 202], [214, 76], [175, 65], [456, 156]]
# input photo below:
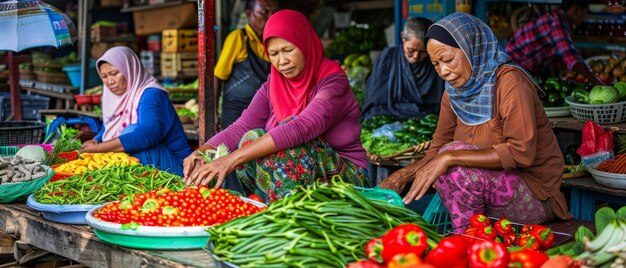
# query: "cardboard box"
[[179, 40], [155, 20]]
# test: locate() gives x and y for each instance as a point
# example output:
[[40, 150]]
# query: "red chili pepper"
[[71, 193], [527, 258], [89, 178], [403, 239], [408, 260], [156, 171], [544, 235], [141, 185], [529, 242], [55, 193], [486, 233], [503, 226], [374, 249], [145, 174], [488, 254], [479, 220], [364, 264], [451, 252], [509, 239]]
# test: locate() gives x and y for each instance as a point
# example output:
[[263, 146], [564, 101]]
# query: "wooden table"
[[79, 243], [585, 192], [572, 123]]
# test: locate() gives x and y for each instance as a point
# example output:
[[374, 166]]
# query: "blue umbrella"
[[30, 23], [33, 23]]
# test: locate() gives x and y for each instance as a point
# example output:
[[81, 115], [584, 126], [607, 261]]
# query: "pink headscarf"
[[120, 111], [290, 96]]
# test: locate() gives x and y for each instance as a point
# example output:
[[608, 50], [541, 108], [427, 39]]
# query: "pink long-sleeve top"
[[332, 113]]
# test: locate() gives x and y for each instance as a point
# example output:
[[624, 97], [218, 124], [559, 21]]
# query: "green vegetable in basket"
[[603, 95], [581, 96], [32, 152], [621, 88]]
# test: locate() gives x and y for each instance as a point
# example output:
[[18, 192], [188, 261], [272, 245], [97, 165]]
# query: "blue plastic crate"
[[436, 213], [31, 105]]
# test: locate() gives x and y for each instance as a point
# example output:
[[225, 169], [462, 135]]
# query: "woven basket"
[[412, 153]]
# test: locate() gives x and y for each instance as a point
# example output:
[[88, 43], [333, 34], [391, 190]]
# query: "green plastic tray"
[[381, 194], [148, 237], [19, 191]]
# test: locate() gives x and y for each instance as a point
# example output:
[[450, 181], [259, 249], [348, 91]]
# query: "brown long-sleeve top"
[[520, 133]]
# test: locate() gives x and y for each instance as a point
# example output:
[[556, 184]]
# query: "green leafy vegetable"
[[603, 217]]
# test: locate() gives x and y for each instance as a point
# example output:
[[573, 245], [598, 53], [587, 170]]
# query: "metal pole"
[[85, 40], [206, 61], [14, 88]]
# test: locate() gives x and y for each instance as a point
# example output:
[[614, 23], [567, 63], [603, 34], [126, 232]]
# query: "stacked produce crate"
[[179, 57]]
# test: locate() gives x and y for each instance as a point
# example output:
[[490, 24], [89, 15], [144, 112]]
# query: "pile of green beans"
[[105, 185], [322, 226]]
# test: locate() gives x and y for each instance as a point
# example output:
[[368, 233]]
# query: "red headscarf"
[[290, 96]]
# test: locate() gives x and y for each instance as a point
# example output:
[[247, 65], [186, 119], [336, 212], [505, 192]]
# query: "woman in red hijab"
[[301, 126]]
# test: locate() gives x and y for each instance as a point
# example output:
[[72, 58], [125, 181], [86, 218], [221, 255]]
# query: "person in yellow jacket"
[[243, 65]]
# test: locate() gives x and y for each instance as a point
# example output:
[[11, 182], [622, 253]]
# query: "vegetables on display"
[[615, 165], [209, 155], [188, 207], [105, 185], [324, 225], [67, 142], [94, 161], [413, 132], [32, 152], [15, 169]]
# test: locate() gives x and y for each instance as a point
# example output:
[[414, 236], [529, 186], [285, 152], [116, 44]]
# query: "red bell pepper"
[[486, 233], [479, 220], [403, 239], [488, 254], [527, 258], [470, 235], [544, 235], [364, 264], [409, 260], [451, 252], [527, 228], [374, 249], [509, 239], [503, 226], [529, 242]]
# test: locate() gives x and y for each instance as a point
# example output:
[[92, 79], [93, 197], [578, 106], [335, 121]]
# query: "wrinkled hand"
[[217, 169], [89, 146], [425, 177], [398, 180], [190, 163]]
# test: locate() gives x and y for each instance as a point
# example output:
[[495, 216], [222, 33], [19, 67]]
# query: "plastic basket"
[[25, 132], [8, 150], [437, 214], [12, 192], [598, 113], [69, 214]]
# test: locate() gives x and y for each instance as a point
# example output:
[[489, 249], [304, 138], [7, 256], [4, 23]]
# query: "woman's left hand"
[[217, 169], [425, 177]]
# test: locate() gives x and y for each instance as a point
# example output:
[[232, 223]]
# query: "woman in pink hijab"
[[137, 114], [301, 126]]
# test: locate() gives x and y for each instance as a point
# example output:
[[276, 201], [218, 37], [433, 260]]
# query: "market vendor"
[[548, 37], [493, 151], [137, 114], [403, 83], [302, 125], [243, 66]]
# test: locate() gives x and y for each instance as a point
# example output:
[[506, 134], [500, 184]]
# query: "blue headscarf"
[[473, 102]]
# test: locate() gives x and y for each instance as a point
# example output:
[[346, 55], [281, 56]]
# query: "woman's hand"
[[398, 180], [217, 169], [89, 146], [190, 164], [426, 176]]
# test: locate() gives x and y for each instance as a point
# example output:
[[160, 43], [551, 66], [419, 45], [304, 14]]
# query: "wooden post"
[[206, 61], [14, 88]]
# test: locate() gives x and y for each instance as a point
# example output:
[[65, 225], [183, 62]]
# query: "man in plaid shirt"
[[548, 37]]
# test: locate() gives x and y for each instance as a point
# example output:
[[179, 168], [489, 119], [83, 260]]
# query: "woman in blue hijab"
[[403, 83], [493, 151]]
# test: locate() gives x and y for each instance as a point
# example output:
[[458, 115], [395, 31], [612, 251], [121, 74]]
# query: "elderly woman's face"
[[450, 63], [113, 79], [285, 57], [414, 49]]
